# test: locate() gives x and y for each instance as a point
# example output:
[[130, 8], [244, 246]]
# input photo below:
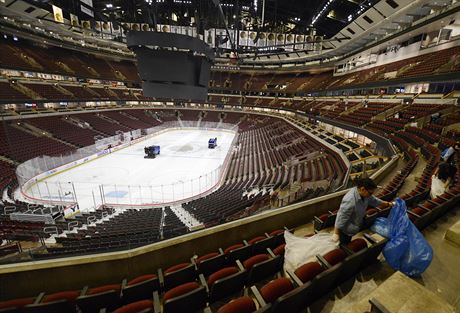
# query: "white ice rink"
[[184, 168]]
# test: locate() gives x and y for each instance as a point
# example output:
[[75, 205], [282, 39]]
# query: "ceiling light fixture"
[[323, 10]]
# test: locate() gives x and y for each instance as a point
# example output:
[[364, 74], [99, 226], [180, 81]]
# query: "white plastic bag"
[[300, 250], [437, 187]]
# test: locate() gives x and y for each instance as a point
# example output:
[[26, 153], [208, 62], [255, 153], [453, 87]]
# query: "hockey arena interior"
[[184, 156]]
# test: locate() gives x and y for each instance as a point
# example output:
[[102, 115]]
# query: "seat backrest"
[[373, 252], [93, 303], [295, 300], [227, 286], [240, 305], [264, 269], [335, 256], [143, 306], [278, 236], [308, 271], [357, 244], [326, 280], [191, 301], [58, 306], [276, 288], [353, 264], [262, 245], [241, 253], [176, 278], [211, 265], [141, 290], [15, 304]]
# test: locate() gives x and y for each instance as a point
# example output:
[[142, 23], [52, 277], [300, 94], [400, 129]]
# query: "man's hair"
[[367, 183], [444, 171]]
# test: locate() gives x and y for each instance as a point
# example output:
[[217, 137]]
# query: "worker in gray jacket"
[[353, 209]]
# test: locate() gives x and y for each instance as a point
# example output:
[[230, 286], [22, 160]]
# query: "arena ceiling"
[[23, 18], [282, 16]]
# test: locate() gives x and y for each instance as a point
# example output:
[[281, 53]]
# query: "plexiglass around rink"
[[185, 169]]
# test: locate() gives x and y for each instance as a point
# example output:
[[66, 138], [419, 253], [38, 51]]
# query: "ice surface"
[[185, 167]]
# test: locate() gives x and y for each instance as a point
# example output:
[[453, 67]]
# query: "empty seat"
[[188, 297], [94, 299], [308, 271], [226, 282], [275, 289], [210, 263], [262, 266], [140, 288], [178, 274]]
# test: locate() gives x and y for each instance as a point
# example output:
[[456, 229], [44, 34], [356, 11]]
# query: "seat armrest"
[[346, 249], [84, 290], [207, 310], [258, 296], [161, 277], [203, 282], [316, 219], [193, 260], [240, 265], [323, 261], [270, 252], [295, 278], [221, 251], [245, 242], [369, 238], [124, 283], [39, 298], [156, 302], [103, 310]]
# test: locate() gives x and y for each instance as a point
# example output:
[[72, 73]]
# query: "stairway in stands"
[[186, 218]]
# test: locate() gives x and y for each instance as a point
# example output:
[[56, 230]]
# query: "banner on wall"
[[57, 13], [74, 20]]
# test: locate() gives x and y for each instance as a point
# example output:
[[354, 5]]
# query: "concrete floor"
[[443, 275]]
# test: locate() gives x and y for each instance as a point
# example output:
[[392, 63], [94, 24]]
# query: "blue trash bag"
[[407, 250], [381, 227]]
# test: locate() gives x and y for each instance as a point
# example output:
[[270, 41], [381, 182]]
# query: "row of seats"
[[129, 229], [208, 281], [310, 281], [20, 145], [13, 230], [7, 174], [25, 55], [421, 213], [65, 130], [442, 61], [248, 260]]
